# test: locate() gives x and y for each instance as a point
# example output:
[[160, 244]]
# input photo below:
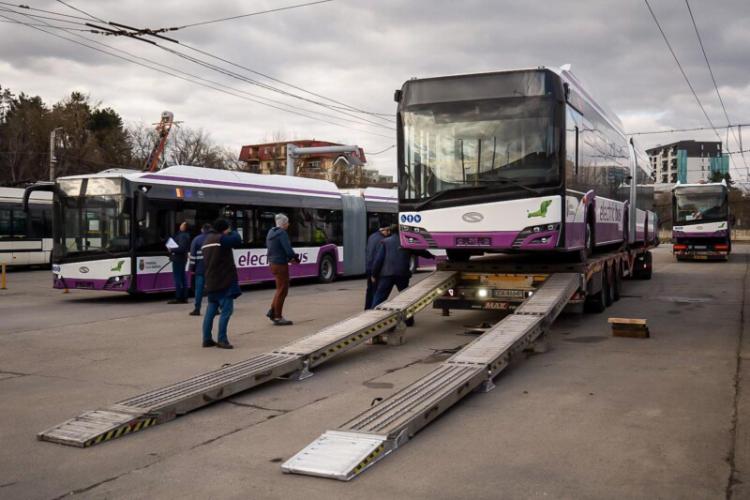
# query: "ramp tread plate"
[[389, 415], [338, 332], [262, 364], [419, 291], [557, 289], [96, 426], [338, 455], [497, 341]]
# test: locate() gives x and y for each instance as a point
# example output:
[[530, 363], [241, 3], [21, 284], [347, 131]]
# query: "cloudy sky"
[[358, 51]]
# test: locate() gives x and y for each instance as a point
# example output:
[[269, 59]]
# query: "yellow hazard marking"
[[364, 463], [121, 431]]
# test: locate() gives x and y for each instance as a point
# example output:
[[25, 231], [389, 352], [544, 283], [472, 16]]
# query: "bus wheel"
[[644, 266], [327, 269], [458, 255], [588, 242], [413, 264], [596, 302]]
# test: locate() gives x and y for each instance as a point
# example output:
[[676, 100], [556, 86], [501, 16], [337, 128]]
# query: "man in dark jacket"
[[373, 242], [280, 254], [222, 286], [392, 268], [179, 255], [198, 268]]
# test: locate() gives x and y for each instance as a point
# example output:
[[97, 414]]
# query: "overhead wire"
[[682, 71], [70, 6], [191, 78], [258, 13], [713, 79], [695, 129]]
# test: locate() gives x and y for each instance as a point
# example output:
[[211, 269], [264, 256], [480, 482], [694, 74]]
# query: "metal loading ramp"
[[292, 360], [362, 441]]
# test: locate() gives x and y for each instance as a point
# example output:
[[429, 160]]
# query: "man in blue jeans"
[[222, 286], [197, 268], [179, 256]]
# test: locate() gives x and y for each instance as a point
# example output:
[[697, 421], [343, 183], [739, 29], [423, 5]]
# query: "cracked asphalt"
[[593, 417]]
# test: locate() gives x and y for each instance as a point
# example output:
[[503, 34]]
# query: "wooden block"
[[629, 327]]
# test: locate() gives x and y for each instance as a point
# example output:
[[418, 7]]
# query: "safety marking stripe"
[[354, 338], [121, 431], [369, 459]]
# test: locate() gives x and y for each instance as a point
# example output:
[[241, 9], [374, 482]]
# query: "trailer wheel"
[[617, 275], [644, 266], [596, 302], [327, 269]]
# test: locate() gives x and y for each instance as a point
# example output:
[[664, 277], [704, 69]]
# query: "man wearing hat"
[[373, 241]]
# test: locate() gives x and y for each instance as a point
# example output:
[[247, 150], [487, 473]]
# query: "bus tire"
[[644, 266], [413, 264], [458, 255], [588, 243], [596, 302], [327, 269]]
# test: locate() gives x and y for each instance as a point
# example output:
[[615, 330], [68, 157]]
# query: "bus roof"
[[186, 175], [16, 194]]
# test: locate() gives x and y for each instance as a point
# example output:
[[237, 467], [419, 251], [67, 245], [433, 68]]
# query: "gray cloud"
[[359, 51]]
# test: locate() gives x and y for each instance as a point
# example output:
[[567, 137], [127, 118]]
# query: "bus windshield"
[[488, 143], [94, 216], [700, 205]]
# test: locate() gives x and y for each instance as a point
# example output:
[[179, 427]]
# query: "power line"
[[26, 7], [679, 65], [383, 151], [713, 79], [191, 78], [258, 13], [81, 11], [137, 32], [670, 131]]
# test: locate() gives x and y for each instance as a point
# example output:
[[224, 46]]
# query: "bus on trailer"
[[517, 161], [111, 227], [25, 236], [701, 222]]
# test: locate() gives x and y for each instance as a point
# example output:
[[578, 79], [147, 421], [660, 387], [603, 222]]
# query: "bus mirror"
[[141, 206]]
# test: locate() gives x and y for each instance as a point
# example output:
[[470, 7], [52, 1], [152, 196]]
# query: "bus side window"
[[5, 222]]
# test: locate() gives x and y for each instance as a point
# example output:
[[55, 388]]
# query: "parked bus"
[[517, 161], [25, 237], [111, 227], [701, 222]]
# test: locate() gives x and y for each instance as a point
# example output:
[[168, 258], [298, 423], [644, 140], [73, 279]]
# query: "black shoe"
[[195, 312], [210, 343], [282, 322], [224, 345], [269, 314], [409, 321]]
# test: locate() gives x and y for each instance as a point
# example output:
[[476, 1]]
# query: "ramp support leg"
[[487, 385], [302, 373]]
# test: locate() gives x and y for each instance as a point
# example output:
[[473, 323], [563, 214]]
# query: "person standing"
[[280, 254], [373, 242], [391, 267], [198, 268], [221, 283], [179, 255]]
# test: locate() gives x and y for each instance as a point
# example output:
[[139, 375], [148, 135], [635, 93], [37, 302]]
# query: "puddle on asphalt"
[[587, 340]]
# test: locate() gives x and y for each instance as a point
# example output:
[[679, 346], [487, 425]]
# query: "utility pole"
[[52, 155]]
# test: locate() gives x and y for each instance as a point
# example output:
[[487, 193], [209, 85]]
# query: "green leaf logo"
[[542, 212], [118, 267]]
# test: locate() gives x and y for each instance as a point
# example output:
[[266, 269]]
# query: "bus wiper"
[[510, 180], [452, 190]]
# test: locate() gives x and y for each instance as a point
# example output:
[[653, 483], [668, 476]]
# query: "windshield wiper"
[[510, 180], [452, 190]]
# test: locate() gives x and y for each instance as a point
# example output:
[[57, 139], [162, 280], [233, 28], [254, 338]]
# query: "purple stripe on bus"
[[236, 184]]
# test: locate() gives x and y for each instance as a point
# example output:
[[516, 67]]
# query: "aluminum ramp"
[[293, 360], [362, 441]]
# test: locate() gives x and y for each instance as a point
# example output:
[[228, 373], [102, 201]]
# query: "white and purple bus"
[[701, 222], [111, 227], [517, 161], [25, 234]]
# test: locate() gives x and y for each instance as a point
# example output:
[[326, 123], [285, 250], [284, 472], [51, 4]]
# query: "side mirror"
[[141, 206]]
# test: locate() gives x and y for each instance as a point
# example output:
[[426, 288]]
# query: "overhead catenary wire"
[[695, 129], [682, 71], [27, 7], [258, 13], [382, 151], [128, 31], [68, 5], [190, 78], [713, 79]]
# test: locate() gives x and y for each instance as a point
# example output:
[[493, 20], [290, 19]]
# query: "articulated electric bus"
[[517, 161], [701, 222], [25, 236], [111, 227]]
